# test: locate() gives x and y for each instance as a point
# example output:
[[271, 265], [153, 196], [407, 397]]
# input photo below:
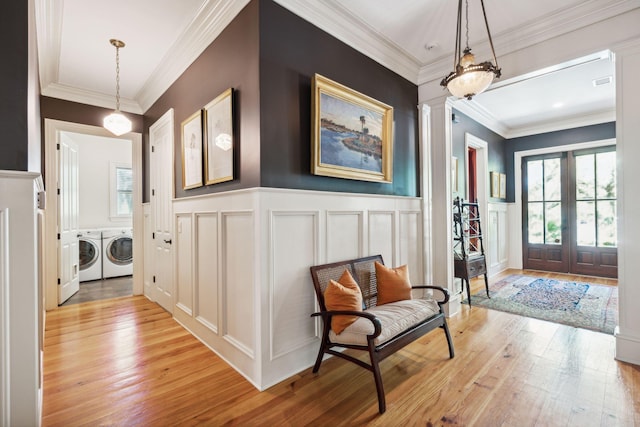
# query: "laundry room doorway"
[[109, 255]]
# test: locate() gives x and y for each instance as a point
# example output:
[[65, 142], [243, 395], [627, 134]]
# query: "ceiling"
[[414, 38]]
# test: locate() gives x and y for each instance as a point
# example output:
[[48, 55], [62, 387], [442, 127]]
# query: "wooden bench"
[[384, 338]]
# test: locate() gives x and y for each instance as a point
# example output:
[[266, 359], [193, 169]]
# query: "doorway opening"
[[569, 212], [471, 171], [105, 217], [126, 195]]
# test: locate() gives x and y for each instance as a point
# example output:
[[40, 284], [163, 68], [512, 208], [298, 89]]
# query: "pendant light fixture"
[[116, 122], [467, 78]]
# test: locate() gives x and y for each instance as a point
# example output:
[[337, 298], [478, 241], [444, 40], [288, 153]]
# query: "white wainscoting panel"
[[238, 288], [184, 265], [250, 253], [344, 235], [207, 278], [491, 241], [410, 247], [382, 235], [294, 238], [496, 243], [21, 360]]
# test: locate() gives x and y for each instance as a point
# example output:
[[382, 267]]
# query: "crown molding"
[[49, 36], [548, 27], [331, 17], [211, 19], [479, 114], [566, 123], [83, 96]]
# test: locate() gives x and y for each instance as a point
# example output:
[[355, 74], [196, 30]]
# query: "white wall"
[[20, 296], [627, 152], [242, 263], [95, 156]]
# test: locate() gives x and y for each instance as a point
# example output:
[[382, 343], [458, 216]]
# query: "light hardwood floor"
[[126, 362]]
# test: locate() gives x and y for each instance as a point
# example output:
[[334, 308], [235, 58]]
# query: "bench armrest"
[[443, 291], [327, 315]]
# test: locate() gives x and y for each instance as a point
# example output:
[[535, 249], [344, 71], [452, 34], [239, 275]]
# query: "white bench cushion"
[[395, 317]]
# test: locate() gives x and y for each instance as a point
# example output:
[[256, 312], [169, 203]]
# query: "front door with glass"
[[569, 212]]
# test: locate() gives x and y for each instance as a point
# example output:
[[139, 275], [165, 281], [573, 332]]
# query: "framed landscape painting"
[[352, 134]]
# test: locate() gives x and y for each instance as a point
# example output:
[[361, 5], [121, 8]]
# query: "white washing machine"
[[117, 252], [90, 249]]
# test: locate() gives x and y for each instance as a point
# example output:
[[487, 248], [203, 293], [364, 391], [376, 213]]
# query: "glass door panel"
[[569, 212], [593, 250], [545, 213]]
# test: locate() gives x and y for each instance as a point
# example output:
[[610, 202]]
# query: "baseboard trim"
[[627, 348], [454, 305]]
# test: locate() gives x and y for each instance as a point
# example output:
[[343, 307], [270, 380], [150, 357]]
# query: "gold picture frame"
[[219, 139], [495, 184], [352, 133], [503, 186], [192, 151]]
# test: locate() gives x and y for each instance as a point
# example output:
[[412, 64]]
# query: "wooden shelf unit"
[[468, 248]]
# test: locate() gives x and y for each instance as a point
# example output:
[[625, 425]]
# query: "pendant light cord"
[[117, 78], [486, 22], [466, 21], [456, 56]]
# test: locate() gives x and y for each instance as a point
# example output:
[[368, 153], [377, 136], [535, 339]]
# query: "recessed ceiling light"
[[602, 81], [558, 104]]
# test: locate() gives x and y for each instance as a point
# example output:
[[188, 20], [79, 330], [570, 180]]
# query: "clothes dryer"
[[90, 249], [117, 252]]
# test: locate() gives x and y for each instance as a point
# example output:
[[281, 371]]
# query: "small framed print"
[[192, 151], [503, 186], [495, 184], [219, 145]]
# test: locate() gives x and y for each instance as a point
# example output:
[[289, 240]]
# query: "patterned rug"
[[583, 305]]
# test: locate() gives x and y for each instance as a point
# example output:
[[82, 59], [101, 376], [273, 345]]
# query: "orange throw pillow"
[[393, 283], [344, 294]]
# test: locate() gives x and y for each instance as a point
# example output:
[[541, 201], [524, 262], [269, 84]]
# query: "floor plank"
[[125, 362]]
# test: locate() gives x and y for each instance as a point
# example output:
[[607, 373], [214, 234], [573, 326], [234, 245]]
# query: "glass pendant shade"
[[117, 123], [468, 78]]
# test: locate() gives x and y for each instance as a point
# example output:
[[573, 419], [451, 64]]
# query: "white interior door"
[[68, 207], [161, 171]]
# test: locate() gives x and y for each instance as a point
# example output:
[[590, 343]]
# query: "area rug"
[[583, 305]]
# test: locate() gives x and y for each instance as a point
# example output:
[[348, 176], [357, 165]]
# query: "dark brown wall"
[[230, 61], [69, 111], [291, 52], [14, 74], [269, 55]]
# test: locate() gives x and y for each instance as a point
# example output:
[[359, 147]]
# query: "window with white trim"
[[121, 190]]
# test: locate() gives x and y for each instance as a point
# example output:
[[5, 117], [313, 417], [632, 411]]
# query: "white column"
[[628, 152], [439, 145], [20, 376]]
